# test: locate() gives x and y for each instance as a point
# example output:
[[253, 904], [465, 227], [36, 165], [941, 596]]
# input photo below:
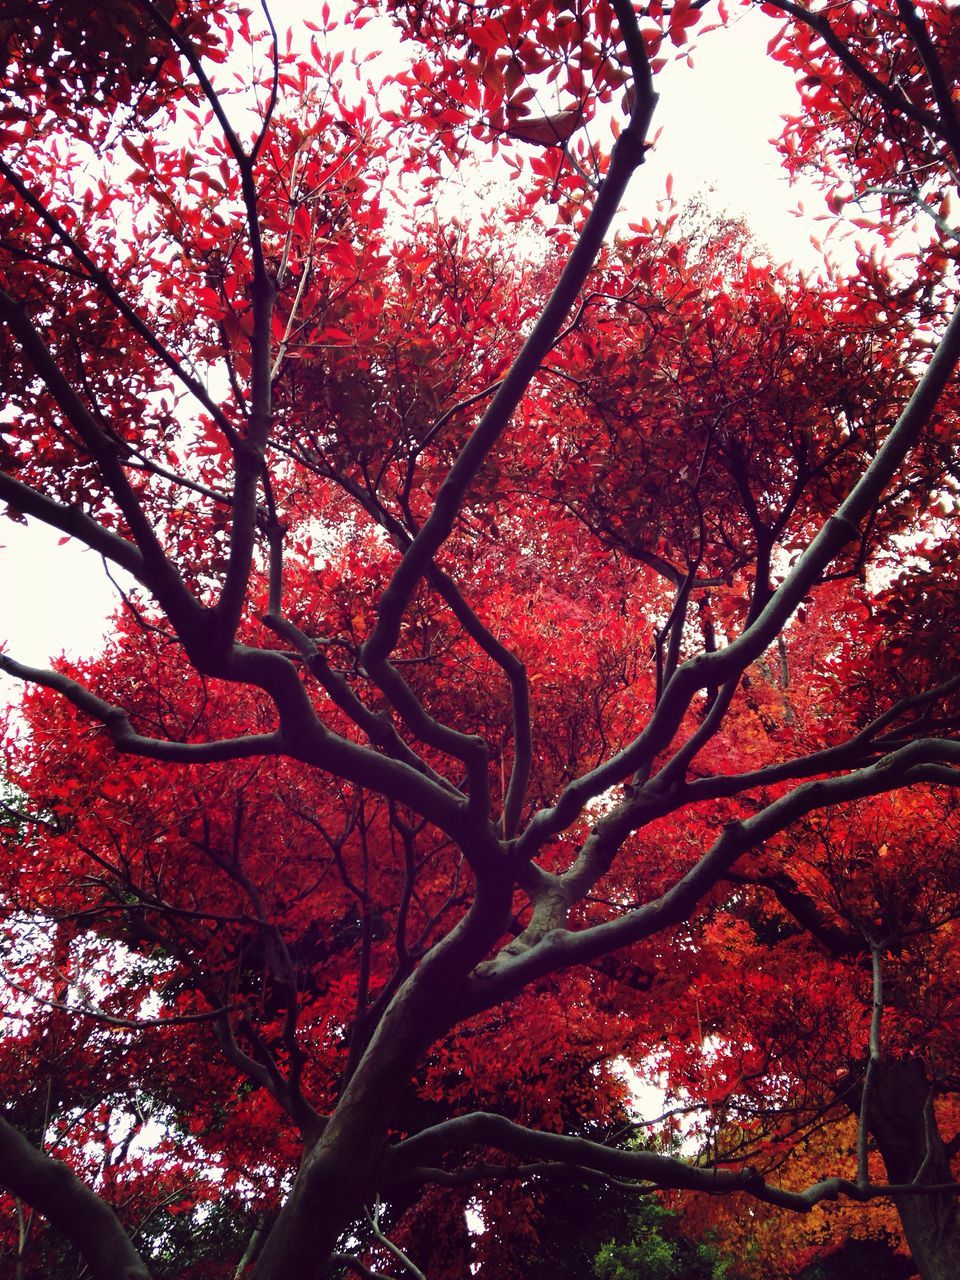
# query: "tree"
[[504, 627], [657, 1252]]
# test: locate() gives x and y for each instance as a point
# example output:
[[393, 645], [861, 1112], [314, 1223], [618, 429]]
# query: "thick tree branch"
[[376, 726], [73, 522], [124, 737], [627, 156], [557, 948], [116, 721], [838, 942], [710, 670], [484, 1129], [509, 663], [942, 91], [77, 1212]]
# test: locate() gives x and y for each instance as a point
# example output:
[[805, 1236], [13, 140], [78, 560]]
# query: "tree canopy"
[[536, 652]]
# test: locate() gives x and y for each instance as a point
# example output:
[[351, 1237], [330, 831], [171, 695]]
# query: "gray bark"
[[904, 1129]]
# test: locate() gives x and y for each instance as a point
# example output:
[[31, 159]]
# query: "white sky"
[[716, 121]]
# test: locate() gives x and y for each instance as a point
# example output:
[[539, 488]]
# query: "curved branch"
[[512, 667], [394, 1250], [125, 738], [626, 157], [73, 522], [99, 277], [510, 972], [156, 571], [713, 669], [77, 1212], [485, 1129], [861, 749], [377, 727]]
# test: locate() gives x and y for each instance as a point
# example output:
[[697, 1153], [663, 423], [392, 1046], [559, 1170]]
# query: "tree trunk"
[[905, 1131], [339, 1173]]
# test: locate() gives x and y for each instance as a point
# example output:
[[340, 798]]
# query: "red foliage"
[[538, 661]]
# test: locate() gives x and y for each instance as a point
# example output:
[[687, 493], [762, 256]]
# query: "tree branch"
[[155, 570], [125, 738], [73, 522], [876, 1016], [508, 973], [710, 670], [484, 1129], [626, 157], [77, 1212]]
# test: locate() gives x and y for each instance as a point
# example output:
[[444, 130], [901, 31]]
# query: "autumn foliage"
[[535, 666]]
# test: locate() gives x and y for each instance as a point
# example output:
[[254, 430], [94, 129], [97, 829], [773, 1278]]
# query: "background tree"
[[514, 646]]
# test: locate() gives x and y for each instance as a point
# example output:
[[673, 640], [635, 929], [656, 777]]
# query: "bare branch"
[[485, 1129], [374, 1221], [876, 1016], [117, 724]]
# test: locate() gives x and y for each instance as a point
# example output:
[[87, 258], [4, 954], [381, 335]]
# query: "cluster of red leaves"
[[699, 417]]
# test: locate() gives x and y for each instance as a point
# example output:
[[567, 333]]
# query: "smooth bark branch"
[[626, 157], [509, 663], [77, 1212], [393, 1249], [713, 669], [377, 727], [837, 941], [253, 1243], [558, 948], [862, 748], [873, 1060], [657, 799], [486, 1129], [639, 65], [117, 724], [470, 749], [301, 736], [73, 522], [516, 672]]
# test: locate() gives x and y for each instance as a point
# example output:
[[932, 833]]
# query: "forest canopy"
[[535, 666]]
